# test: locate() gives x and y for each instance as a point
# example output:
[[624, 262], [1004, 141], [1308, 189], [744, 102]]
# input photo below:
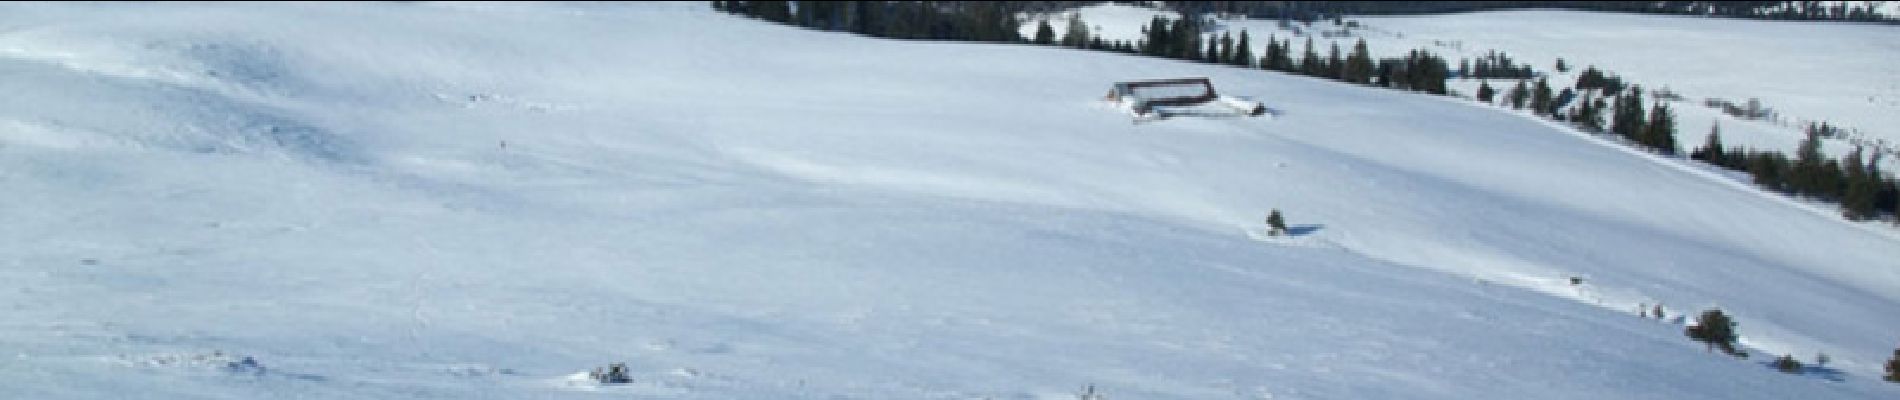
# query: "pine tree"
[[1711, 150], [1285, 60], [1276, 225], [1857, 202], [1187, 39], [1561, 67], [1077, 33], [1805, 178], [1660, 132], [1243, 51], [1212, 55], [1715, 329], [1335, 66], [1627, 121], [1226, 49], [1270, 60], [1310, 63], [1045, 34], [1485, 92], [1518, 95], [1158, 40], [1541, 99], [1359, 64]]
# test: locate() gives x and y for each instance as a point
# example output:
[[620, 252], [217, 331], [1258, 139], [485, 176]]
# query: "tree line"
[[1854, 181], [1318, 10], [1183, 38]]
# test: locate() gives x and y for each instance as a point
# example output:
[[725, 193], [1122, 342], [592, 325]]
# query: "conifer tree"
[[1243, 51], [1226, 49], [1335, 66], [1359, 64], [1276, 225], [1077, 33], [1270, 59], [1045, 34], [1485, 92], [1518, 95], [1627, 121], [1285, 61], [1212, 54], [1310, 63], [1593, 119], [1541, 98], [1157, 38], [1711, 150], [1187, 39], [1659, 132], [1805, 177], [1716, 330], [1857, 202]]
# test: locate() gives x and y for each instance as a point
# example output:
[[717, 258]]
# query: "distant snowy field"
[[1840, 73], [485, 201]]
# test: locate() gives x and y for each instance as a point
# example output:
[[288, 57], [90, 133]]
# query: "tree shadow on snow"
[[1809, 370], [1303, 230]]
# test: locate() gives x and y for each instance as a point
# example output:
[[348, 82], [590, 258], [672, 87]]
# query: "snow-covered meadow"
[[1839, 73], [479, 200]]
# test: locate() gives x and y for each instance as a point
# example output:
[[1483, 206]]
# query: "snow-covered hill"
[[1838, 73], [474, 200]]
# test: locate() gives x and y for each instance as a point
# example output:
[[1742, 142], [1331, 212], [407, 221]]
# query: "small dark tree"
[[615, 373], [1660, 132], [1805, 178], [1715, 329], [1077, 33], [1243, 51], [1541, 98], [1335, 65], [1359, 64], [1893, 367], [1859, 197], [1485, 92], [1627, 120], [1310, 63], [1212, 54], [1787, 364], [1226, 49], [1045, 34], [1276, 225], [1711, 151], [1561, 67], [1518, 95]]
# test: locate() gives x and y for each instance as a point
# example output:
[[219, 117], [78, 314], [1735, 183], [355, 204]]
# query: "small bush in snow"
[[1276, 224], [1786, 363], [1089, 393], [1893, 367], [1717, 330], [615, 373]]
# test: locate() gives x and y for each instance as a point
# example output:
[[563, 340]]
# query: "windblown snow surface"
[[423, 200]]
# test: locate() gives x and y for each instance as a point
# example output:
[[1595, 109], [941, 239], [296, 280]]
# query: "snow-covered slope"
[[1838, 73], [400, 200]]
